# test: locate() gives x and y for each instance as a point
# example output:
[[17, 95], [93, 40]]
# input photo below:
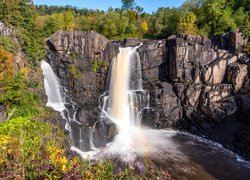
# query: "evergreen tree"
[[128, 4]]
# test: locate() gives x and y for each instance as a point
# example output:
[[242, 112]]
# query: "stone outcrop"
[[6, 31], [192, 85], [20, 60], [233, 41]]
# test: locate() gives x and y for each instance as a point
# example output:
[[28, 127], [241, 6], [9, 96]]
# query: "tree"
[[187, 24], [69, 24], [164, 22], [144, 26], [6, 66], [128, 4]]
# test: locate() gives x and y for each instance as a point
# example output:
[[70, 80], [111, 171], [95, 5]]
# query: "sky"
[[148, 5]]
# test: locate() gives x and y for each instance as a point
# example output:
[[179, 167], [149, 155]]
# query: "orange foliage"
[[7, 68]]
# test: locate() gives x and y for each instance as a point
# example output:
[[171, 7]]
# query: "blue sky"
[[148, 5]]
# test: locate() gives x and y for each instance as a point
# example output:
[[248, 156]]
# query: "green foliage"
[[187, 24], [23, 138], [96, 65], [164, 22], [33, 149], [76, 73], [17, 96], [128, 4], [21, 14], [217, 17], [9, 44], [33, 44]]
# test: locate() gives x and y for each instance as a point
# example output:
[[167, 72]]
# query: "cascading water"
[[125, 99], [53, 91], [66, 108], [52, 88]]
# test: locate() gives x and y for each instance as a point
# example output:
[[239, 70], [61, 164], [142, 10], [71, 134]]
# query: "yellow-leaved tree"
[[187, 24], [144, 26]]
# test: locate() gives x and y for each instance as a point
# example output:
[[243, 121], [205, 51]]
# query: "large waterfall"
[[125, 100]]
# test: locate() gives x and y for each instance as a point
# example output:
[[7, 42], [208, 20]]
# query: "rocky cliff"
[[192, 85]]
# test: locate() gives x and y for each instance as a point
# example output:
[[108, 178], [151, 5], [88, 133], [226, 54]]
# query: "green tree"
[[69, 24], [128, 4], [164, 22]]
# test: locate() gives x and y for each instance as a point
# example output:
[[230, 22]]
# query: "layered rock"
[[232, 41]]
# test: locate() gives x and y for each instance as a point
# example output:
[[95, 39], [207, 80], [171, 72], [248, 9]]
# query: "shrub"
[[9, 44], [76, 73]]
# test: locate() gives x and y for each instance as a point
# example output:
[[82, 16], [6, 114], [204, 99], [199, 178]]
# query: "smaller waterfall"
[[52, 88], [53, 91], [79, 132]]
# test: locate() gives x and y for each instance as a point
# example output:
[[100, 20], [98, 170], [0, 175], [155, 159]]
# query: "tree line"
[[201, 17]]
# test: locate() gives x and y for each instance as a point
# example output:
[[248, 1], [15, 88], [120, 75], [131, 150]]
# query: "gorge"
[[189, 84]]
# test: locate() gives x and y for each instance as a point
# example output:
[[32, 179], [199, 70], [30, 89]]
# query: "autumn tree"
[[187, 24], [6, 66]]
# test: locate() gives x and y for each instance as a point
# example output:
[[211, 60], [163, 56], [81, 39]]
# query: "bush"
[[9, 44], [76, 73], [16, 96]]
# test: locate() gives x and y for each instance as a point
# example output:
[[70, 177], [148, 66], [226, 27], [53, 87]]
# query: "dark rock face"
[[212, 85], [233, 41], [81, 61], [192, 85]]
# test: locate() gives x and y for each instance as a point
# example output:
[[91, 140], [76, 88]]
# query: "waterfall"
[[122, 105], [125, 99], [52, 88], [68, 110]]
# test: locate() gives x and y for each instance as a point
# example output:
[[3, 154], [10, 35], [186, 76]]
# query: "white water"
[[123, 105], [52, 88], [125, 99]]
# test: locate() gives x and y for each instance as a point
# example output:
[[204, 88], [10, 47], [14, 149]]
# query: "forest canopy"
[[198, 17]]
